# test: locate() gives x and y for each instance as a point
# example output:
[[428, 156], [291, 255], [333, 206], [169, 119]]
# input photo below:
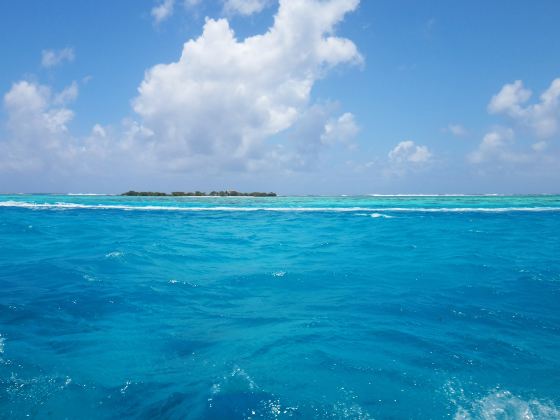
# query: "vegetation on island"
[[230, 193]]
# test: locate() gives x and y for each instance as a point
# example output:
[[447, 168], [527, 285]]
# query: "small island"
[[230, 193]]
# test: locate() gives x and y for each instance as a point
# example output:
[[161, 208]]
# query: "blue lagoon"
[[279, 307]]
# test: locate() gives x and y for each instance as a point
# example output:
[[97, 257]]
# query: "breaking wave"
[[505, 405], [71, 206]]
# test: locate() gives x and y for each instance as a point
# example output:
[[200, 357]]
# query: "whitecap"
[[380, 216], [88, 194], [279, 274], [71, 206], [114, 254], [236, 380], [184, 283], [445, 195], [504, 405]]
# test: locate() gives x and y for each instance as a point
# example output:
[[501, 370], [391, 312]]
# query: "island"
[[229, 193]]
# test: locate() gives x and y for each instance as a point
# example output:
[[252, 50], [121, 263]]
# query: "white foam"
[[114, 254], [71, 206], [125, 387], [505, 405], [2, 341], [89, 194], [380, 216], [438, 195]]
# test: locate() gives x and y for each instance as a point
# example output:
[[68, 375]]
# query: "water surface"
[[304, 307]]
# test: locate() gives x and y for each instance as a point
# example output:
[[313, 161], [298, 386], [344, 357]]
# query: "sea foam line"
[[70, 206]]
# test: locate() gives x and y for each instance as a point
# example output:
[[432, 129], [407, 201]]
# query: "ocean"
[[387, 307]]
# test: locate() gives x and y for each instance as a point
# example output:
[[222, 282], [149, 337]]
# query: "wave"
[[380, 215], [438, 195], [71, 206], [463, 195], [503, 404], [88, 194]]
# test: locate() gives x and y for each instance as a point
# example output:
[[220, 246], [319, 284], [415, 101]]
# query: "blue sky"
[[325, 97]]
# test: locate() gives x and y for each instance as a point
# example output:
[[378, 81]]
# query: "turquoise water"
[[303, 307]]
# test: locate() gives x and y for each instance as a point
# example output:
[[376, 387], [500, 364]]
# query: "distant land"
[[198, 194]]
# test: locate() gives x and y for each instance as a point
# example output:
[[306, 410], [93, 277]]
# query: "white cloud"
[[541, 120], [69, 94], [408, 152], [38, 139], [33, 107], [224, 98], [245, 7], [494, 145], [509, 99], [319, 128], [52, 58], [340, 130], [37, 125], [543, 117], [163, 10], [99, 131], [225, 105]]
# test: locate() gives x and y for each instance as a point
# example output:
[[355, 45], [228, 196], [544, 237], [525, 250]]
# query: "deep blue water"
[[347, 307]]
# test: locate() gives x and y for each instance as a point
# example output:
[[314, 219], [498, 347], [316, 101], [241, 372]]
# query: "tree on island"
[[230, 193]]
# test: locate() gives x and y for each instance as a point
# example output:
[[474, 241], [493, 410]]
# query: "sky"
[[291, 96]]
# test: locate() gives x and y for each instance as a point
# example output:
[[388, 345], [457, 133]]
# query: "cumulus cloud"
[[543, 117], [320, 129], [509, 99], [163, 10], [225, 97], [38, 140], [225, 105], [37, 124], [340, 130], [31, 106], [409, 152], [52, 58], [245, 7], [405, 158], [495, 146], [540, 120]]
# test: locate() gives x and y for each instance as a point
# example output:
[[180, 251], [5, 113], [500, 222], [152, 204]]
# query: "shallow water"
[[325, 307]]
